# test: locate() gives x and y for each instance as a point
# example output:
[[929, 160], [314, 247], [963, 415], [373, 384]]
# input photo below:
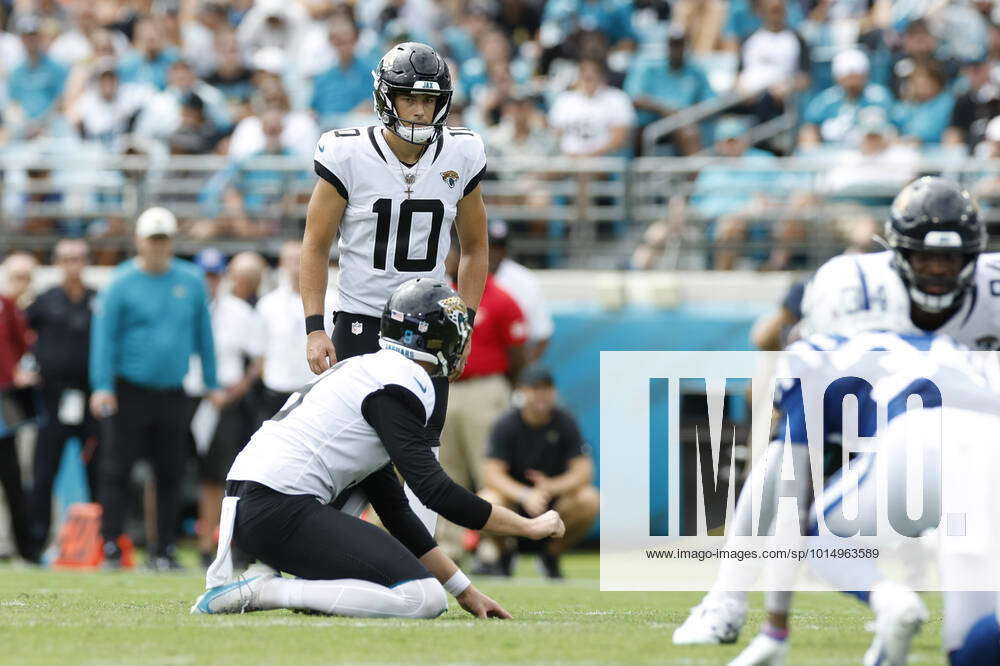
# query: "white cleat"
[[899, 614], [763, 651], [713, 621], [239, 596]]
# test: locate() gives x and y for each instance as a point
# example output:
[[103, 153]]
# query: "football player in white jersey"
[[958, 426], [882, 371], [294, 492], [393, 192], [933, 277]]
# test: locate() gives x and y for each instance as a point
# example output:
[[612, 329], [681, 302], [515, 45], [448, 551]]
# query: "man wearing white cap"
[[148, 322], [832, 115]]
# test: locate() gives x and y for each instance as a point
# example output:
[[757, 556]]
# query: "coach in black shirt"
[[60, 318], [537, 461]]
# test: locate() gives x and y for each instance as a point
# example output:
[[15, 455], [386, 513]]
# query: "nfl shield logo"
[[357, 327], [422, 327]]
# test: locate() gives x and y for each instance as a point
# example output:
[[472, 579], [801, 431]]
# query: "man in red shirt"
[[13, 345], [481, 393]]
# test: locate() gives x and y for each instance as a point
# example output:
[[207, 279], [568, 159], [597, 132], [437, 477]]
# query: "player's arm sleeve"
[[328, 164], [399, 419], [477, 166], [389, 501], [103, 333]]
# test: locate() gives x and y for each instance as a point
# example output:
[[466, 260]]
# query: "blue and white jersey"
[[882, 370], [852, 293]]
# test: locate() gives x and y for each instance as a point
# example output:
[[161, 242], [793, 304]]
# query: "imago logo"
[[787, 453]]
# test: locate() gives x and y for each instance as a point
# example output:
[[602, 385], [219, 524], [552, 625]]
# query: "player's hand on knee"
[[549, 524], [320, 352], [476, 603]]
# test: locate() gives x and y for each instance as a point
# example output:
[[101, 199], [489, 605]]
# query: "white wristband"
[[457, 584]]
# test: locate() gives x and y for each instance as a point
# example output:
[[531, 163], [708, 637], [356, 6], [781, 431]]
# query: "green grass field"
[[137, 618]]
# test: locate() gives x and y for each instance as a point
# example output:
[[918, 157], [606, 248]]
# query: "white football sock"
[[423, 598]]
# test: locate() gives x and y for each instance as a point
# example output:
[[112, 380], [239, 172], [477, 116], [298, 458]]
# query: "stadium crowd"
[[873, 84]]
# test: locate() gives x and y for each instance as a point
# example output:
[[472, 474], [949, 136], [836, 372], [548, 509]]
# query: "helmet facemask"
[[412, 132], [937, 300], [935, 217]]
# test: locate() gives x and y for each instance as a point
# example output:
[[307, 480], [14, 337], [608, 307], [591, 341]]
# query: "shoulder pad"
[[333, 143]]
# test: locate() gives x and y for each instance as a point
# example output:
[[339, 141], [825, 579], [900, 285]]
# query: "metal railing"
[[563, 212], [691, 115]]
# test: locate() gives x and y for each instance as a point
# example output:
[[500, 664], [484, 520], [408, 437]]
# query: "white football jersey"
[[879, 368], [862, 292], [397, 224], [319, 444]]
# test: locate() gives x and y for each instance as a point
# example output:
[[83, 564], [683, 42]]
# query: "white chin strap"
[[412, 354], [415, 133], [934, 302]]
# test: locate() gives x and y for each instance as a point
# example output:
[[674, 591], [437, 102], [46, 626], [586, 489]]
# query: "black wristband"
[[472, 316], [314, 323]]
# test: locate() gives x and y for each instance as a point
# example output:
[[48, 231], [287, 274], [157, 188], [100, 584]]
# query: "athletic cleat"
[[763, 651], [715, 620], [899, 615], [236, 597]]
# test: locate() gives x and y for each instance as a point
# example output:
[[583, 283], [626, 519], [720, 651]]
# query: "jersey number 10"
[[401, 257]]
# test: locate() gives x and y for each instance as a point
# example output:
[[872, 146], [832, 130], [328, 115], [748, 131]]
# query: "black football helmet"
[[934, 214], [425, 320], [414, 68]]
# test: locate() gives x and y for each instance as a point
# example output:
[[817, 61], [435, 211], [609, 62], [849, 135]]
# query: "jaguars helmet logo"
[[457, 312], [450, 177]]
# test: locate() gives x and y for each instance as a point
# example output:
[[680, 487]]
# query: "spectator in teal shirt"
[[151, 60], [347, 86], [732, 198], [659, 89], [147, 324], [927, 104], [832, 116], [36, 84]]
